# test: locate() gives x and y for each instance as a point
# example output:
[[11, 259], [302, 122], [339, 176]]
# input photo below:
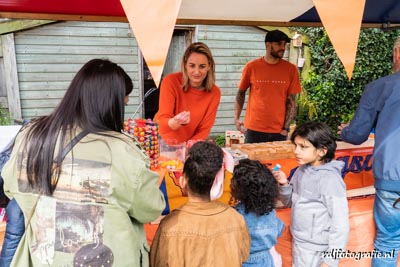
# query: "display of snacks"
[[146, 132], [267, 150]]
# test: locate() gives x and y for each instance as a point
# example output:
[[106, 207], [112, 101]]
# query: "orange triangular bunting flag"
[[342, 21], [152, 23]]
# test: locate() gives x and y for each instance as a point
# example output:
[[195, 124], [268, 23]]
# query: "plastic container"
[[172, 154]]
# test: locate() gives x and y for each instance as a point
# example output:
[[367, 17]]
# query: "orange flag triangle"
[[152, 23], [342, 21]]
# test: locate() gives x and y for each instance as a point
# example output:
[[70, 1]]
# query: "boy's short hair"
[[254, 186], [319, 135], [201, 166]]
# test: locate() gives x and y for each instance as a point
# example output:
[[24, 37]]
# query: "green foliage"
[[5, 118], [220, 140], [305, 106], [333, 98]]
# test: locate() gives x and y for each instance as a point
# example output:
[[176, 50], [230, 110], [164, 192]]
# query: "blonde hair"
[[203, 49]]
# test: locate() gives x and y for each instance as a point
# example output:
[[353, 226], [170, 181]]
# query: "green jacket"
[[95, 217]]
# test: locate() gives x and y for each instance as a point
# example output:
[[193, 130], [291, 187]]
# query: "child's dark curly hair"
[[254, 185], [201, 166]]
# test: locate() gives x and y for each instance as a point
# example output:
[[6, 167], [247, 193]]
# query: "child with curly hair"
[[255, 189]]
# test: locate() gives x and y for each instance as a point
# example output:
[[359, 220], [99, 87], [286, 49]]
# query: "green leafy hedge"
[[4, 117], [334, 97]]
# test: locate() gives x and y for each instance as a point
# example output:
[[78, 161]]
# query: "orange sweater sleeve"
[[166, 105]]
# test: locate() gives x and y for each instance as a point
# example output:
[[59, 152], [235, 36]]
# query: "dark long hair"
[[93, 102]]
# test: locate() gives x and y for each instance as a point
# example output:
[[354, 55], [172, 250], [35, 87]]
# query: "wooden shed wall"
[[232, 47], [49, 56]]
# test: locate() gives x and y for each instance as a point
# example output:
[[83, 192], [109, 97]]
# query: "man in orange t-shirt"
[[274, 84]]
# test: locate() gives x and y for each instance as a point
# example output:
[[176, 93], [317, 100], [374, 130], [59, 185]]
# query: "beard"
[[277, 53]]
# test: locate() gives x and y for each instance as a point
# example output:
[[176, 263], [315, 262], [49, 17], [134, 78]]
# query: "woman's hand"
[[179, 120]]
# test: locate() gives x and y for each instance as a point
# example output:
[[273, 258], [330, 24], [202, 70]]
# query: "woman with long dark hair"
[[84, 187]]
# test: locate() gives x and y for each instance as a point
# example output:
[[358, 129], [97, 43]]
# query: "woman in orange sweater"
[[189, 99]]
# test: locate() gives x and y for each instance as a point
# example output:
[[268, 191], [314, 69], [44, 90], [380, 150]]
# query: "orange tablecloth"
[[362, 230], [358, 174], [357, 170], [362, 233]]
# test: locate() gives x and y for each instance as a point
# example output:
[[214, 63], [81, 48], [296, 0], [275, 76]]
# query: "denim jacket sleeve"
[[365, 117]]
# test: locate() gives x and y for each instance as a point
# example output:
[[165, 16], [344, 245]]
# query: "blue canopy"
[[383, 12]]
